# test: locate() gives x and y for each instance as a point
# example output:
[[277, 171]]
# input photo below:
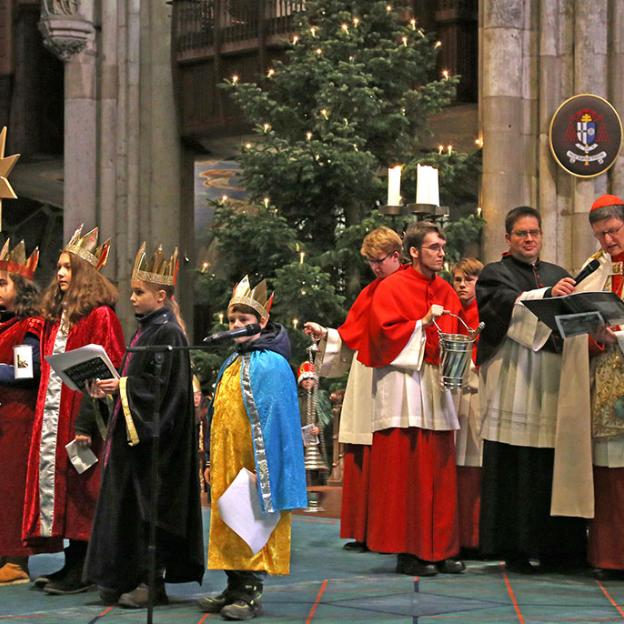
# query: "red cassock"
[[17, 412], [60, 503], [413, 489], [469, 477], [605, 548], [356, 457]]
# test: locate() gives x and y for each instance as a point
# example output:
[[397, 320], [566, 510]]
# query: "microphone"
[[248, 330], [587, 270]]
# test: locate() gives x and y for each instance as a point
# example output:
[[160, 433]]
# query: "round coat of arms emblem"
[[585, 135]]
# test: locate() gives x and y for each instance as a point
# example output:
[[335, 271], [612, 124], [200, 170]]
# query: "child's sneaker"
[[214, 604], [241, 610]]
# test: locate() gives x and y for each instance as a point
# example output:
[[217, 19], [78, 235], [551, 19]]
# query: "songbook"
[[578, 313], [77, 366], [240, 509]]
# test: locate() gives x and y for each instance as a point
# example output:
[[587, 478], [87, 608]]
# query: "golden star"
[[6, 166]]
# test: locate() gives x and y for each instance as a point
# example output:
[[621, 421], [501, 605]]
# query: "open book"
[[578, 313], [83, 364]]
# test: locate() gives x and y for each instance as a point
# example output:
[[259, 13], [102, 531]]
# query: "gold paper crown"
[[86, 247], [255, 298], [157, 270], [15, 261]]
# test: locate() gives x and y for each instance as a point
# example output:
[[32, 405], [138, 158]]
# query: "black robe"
[[117, 555], [498, 287], [516, 481]]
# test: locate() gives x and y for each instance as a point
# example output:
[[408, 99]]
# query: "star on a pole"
[[6, 166]]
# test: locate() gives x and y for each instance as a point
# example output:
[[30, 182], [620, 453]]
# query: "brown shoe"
[[13, 574], [138, 597]]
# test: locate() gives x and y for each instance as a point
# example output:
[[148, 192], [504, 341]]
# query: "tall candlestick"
[[394, 186]]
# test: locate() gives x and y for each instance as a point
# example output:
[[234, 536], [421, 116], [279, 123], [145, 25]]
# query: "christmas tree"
[[350, 98]]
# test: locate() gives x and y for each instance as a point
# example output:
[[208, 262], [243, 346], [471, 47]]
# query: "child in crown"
[[78, 309], [255, 425], [117, 560]]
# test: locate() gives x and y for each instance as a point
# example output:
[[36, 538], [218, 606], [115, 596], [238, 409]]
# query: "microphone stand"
[[159, 358]]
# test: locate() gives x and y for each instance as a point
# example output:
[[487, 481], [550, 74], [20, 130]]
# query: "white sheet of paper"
[[81, 457], [240, 509]]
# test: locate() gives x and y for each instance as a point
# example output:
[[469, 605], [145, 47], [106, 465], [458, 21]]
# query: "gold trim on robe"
[[131, 432]]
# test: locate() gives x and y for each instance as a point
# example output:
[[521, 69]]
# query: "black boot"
[[69, 579]]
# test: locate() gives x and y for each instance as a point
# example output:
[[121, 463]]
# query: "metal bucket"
[[456, 355]]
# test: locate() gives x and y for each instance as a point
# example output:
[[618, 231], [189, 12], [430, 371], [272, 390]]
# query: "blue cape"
[[270, 397]]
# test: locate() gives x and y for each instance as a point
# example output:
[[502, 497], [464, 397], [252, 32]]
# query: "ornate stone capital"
[[65, 31]]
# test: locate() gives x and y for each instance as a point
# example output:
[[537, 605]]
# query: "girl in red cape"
[[60, 502], [19, 325]]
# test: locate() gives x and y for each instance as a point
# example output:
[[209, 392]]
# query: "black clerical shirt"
[[499, 285]]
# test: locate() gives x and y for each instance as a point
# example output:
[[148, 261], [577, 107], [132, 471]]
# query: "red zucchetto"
[[607, 200]]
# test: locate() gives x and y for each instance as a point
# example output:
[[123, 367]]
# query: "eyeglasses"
[[380, 260], [612, 232], [437, 248], [527, 233]]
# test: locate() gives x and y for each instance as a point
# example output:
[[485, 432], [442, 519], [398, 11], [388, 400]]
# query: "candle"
[[221, 318], [394, 186], [479, 211], [427, 191], [301, 256], [295, 323]]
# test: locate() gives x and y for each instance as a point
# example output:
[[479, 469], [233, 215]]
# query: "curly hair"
[[87, 290], [26, 296]]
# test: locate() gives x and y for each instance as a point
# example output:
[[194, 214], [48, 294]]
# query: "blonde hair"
[[382, 240], [170, 302], [468, 266]]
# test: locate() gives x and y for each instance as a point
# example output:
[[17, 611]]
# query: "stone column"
[[141, 114], [615, 20], [590, 76], [505, 110], [555, 83], [68, 31]]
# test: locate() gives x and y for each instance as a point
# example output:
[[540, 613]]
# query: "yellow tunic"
[[230, 450]]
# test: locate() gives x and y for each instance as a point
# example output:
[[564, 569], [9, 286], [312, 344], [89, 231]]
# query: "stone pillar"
[[590, 76], [68, 31], [535, 55], [556, 79], [615, 20], [505, 109], [140, 147]]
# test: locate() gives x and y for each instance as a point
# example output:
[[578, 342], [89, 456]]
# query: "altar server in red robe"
[[60, 502], [339, 353], [413, 490], [468, 442]]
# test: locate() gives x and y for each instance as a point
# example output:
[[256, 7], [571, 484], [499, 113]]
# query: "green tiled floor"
[[330, 585]]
